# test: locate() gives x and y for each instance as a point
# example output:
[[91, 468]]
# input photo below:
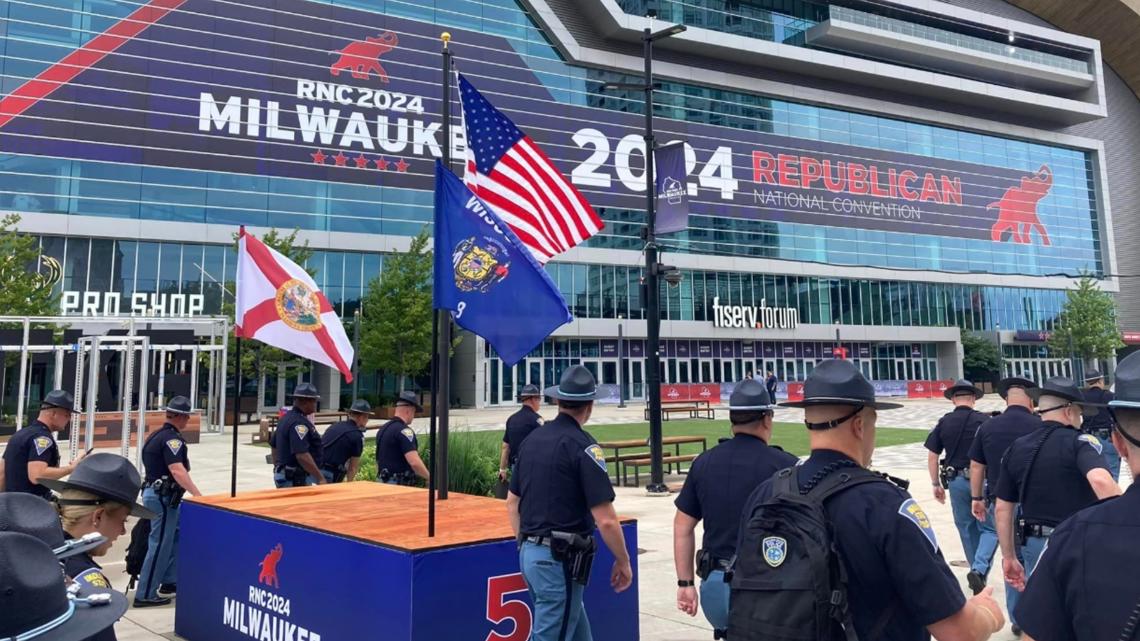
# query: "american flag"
[[511, 174]]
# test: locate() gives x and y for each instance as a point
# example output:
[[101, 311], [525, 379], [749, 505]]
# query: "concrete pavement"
[[660, 620]]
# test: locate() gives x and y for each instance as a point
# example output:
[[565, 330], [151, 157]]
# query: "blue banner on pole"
[[672, 188], [487, 277]]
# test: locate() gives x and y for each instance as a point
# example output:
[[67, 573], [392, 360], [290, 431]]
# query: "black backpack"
[[788, 582], [136, 550]]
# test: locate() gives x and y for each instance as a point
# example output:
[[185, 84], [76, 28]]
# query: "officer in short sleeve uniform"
[[35, 442], [519, 426], [1084, 587], [162, 495], [397, 442], [343, 443], [898, 582], [1050, 474], [1100, 424], [953, 435], [716, 488], [993, 439], [296, 436], [561, 477]]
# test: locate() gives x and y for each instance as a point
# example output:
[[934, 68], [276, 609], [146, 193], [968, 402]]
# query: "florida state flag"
[[279, 304]]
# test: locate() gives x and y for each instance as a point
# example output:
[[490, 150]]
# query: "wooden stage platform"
[[389, 515], [334, 561]]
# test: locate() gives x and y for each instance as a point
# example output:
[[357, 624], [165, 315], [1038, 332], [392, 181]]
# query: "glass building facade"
[[35, 35]]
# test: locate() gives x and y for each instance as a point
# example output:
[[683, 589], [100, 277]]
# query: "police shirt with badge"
[[519, 426], [994, 438], [897, 579], [32, 443], [1058, 486], [396, 439], [88, 575], [341, 442], [296, 435], [561, 475], [719, 484], [163, 449], [954, 434]]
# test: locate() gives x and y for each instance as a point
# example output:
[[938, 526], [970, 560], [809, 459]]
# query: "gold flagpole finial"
[[446, 38]]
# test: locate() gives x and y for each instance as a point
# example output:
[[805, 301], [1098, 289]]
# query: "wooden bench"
[[621, 460], [646, 462], [691, 409], [265, 431]]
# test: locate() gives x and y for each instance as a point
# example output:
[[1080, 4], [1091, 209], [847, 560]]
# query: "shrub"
[[473, 463]]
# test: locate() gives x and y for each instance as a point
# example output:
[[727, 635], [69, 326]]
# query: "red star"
[[340, 158], [319, 157], [361, 161], [381, 163], [401, 166]]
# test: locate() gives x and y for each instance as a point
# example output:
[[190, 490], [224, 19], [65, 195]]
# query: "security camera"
[[672, 276]]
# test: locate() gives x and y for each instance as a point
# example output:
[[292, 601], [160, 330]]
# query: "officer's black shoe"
[[149, 603], [170, 589], [1016, 630], [720, 634], [976, 581]]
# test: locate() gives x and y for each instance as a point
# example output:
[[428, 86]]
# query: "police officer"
[[297, 443], [167, 461], [898, 584], [715, 490], [771, 384], [993, 439], [519, 426], [96, 500], [32, 454], [1084, 586], [1100, 424], [397, 451], [343, 443], [1051, 474], [954, 434], [560, 491], [35, 602]]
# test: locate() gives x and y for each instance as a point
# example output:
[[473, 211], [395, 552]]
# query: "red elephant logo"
[[363, 57], [268, 566], [1017, 209]]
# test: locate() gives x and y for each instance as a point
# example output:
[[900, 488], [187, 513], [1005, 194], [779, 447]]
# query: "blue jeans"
[[969, 529], [280, 481], [1112, 457], [558, 611], [161, 564], [328, 476], [1030, 553], [984, 557], [714, 600]]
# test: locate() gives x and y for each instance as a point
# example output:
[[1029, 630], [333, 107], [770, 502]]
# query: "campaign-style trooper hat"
[[577, 384], [839, 382], [963, 386], [750, 395], [108, 476]]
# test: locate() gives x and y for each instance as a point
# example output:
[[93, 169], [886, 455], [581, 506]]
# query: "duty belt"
[[537, 540], [1039, 530]]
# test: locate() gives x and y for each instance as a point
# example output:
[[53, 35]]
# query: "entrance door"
[[900, 369], [706, 372], [592, 366], [728, 372], [865, 367], [609, 373], [682, 371], [790, 370]]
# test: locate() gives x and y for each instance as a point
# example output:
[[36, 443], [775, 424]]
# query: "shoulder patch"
[[93, 578], [539, 420], [775, 550], [409, 434], [41, 443], [175, 446], [595, 452], [302, 430], [913, 512], [1093, 441]]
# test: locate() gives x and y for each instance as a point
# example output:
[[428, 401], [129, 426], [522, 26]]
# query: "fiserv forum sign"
[[302, 89]]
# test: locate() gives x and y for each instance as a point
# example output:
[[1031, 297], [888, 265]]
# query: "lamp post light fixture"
[[653, 269]]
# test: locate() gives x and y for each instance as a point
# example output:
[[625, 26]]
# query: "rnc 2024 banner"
[[302, 89]]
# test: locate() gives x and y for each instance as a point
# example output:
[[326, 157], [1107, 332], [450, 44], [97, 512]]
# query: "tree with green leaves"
[[1086, 326], [395, 316], [24, 291], [981, 359], [258, 359]]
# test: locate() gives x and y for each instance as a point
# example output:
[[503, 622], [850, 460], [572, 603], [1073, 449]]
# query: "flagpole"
[[444, 347], [237, 416]]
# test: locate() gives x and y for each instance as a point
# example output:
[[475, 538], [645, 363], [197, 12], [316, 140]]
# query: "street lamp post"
[[653, 269], [621, 364], [1001, 353]]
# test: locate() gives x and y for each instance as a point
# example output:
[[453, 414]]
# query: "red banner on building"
[[918, 389], [688, 392], [795, 392]]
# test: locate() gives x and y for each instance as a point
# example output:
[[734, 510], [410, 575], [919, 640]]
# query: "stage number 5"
[[500, 608]]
